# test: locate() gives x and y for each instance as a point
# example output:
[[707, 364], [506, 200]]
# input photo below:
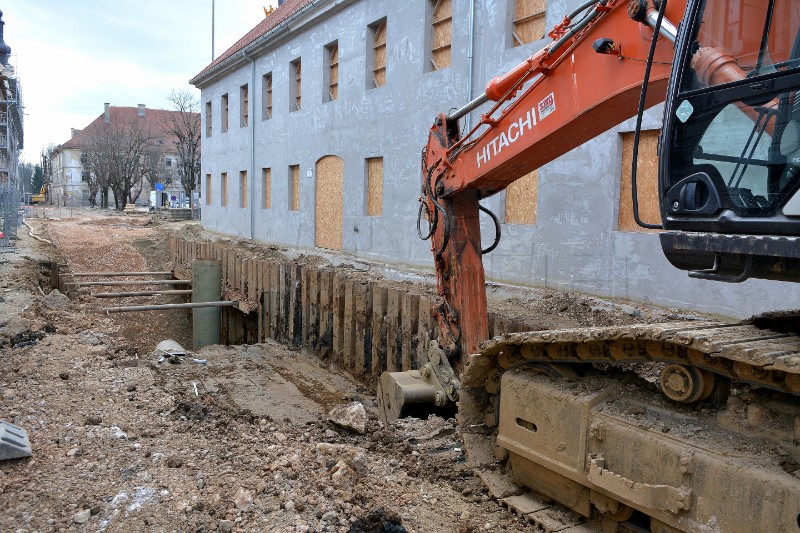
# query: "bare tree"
[[47, 170], [95, 174], [116, 154], [184, 126]]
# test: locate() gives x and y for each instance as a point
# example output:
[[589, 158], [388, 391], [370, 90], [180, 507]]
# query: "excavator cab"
[[729, 175]]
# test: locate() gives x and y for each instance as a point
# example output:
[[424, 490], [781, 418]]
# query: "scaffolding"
[[11, 142]]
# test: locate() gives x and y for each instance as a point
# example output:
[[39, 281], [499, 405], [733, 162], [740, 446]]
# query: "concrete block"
[[14, 442]]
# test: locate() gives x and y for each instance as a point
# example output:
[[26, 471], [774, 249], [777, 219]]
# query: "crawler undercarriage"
[[575, 417]]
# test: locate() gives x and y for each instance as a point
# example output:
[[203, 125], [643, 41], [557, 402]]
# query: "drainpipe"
[[470, 49], [252, 119]]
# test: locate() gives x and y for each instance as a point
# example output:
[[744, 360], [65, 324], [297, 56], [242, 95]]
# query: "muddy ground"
[[231, 438]]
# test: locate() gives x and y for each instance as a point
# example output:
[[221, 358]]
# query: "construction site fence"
[[10, 217]]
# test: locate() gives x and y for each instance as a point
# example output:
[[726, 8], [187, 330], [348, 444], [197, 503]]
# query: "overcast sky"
[[71, 57]]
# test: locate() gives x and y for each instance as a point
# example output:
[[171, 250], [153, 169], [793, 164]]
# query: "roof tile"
[[154, 119]]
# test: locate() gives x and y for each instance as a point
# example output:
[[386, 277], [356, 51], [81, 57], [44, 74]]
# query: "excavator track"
[[547, 418]]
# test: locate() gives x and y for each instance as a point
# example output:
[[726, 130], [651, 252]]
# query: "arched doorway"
[[329, 209]]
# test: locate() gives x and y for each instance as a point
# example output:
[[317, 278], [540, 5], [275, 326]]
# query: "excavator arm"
[[546, 409], [585, 82]]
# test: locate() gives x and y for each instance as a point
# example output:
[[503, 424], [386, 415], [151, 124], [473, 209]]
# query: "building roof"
[[153, 119], [272, 21]]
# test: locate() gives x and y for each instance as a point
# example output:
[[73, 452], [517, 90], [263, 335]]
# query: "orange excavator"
[[569, 419]]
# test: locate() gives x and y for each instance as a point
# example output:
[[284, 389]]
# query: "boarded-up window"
[[207, 192], [441, 33], [244, 106], [646, 181], [329, 208], [374, 186], [266, 180], [224, 113], [294, 187], [331, 72], [376, 54], [528, 24], [296, 73], [243, 188], [209, 123], [223, 189], [266, 97], [521, 199]]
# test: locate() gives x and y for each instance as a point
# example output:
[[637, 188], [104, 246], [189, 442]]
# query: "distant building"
[[67, 161]]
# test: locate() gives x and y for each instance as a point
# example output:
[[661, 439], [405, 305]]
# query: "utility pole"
[[212, 30]]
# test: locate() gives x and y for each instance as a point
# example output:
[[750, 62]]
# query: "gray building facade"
[[294, 126]]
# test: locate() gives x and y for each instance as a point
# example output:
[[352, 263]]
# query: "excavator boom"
[[547, 410]]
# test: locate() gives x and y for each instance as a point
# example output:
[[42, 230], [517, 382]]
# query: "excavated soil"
[[225, 439]]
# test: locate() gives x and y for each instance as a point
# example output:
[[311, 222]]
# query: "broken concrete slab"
[[56, 300], [14, 442], [352, 416]]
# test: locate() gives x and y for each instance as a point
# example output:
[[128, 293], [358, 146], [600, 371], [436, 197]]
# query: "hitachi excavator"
[[563, 417]]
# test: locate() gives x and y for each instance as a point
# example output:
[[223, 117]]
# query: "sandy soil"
[[241, 441]]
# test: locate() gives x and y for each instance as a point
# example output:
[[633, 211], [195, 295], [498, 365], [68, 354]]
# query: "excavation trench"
[[357, 320]]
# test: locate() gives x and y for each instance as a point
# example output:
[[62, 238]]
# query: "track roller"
[[686, 384]]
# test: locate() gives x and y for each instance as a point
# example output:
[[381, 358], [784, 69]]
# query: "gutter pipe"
[[252, 115]]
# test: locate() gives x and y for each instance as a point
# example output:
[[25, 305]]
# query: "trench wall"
[[364, 324]]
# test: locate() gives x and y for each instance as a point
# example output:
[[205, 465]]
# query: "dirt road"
[[123, 443], [239, 441]]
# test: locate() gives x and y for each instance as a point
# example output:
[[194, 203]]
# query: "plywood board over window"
[[224, 113], [297, 77], [207, 192], [375, 186], [294, 187], [243, 188], [329, 209], [266, 180], [223, 186], [332, 71], [528, 24], [521, 199], [646, 181], [244, 106], [442, 29], [266, 97], [379, 50]]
